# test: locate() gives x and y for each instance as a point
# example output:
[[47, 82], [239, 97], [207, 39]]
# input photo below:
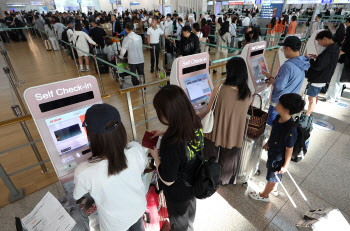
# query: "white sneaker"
[[88, 69], [275, 193], [81, 69], [256, 196]]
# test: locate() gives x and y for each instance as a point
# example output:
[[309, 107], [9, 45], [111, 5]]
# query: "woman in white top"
[[112, 176], [111, 49], [81, 40], [224, 39], [51, 34]]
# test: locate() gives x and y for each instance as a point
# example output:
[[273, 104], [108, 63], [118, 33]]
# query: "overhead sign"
[[236, 2], [303, 1], [327, 1], [16, 5], [270, 10], [79, 1], [134, 3], [224, 3], [37, 3], [341, 1], [323, 125]]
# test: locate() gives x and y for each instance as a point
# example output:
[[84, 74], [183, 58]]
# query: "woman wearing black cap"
[[113, 174]]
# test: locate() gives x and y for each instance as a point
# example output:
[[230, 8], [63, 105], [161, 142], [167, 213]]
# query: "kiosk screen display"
[[198, 87], [67, 132], [258, 66]]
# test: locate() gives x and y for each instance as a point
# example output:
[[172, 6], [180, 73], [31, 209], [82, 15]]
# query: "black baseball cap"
[[293, 42], [98, 115]]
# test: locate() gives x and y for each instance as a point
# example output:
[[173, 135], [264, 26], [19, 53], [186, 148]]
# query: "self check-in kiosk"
[[191, 73], [58, 110], [253, 54]]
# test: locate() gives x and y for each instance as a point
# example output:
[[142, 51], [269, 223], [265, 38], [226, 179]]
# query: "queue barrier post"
[[76, 64], [131, 116], [13, 86], [17, 111], [59, 46], [99, 74], [9, 64], [15, 194]]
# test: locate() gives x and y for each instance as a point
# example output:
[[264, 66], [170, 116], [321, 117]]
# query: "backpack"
[[65, 35], [304, 128], [203, 176]]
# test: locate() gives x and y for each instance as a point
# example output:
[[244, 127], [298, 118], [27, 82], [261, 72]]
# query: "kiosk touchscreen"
[[253, 54], [192, 75], [58, 110]]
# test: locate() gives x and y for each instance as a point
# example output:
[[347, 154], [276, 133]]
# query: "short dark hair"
[[187, 28], [196, 26], [168, 15], [129, 26], [293, 102], [319, 15], [180, 20], [324, 34], [108, 41], [78, 27], [347, 20], [294, 18], [110, 146]]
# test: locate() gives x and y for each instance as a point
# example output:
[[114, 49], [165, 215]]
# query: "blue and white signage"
[[343, 105], [323, 125]]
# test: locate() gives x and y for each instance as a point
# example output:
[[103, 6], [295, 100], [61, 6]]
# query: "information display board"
[[270, 10]]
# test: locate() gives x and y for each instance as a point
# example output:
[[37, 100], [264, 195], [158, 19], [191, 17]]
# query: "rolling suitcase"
[[103, 66], [250, 156], [48, 45], [323, 219]]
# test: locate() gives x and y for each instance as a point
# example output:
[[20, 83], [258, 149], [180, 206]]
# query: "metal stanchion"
[[17, 111], [75, 60], [131, 114], [99, 75], [9, 64], [7, 72], [144, 102], [15, 194], [59, 47], [274, 61]]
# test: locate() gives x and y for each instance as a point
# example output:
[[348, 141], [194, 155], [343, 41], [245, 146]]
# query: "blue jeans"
[[272, 115]]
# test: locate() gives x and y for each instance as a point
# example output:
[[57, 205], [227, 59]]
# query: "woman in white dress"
[[81, 41]]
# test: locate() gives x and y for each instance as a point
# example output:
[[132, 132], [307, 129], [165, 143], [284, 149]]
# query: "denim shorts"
[[272, 115], [313, 91], [272, 167]]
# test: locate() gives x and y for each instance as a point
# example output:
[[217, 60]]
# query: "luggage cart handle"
[[298, 188]]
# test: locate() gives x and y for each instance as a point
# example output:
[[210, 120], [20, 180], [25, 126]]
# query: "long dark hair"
[[237, 75], [110, 146], [224, 28], [273, 22], [175, 110]]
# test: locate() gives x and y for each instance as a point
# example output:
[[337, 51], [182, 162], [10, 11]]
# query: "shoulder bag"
[[208, 120], [258, 119]]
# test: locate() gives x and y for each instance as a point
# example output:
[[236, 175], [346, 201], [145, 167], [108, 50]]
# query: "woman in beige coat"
[[223, 39]]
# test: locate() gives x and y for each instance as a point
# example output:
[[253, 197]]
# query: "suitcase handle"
[[296, 185]]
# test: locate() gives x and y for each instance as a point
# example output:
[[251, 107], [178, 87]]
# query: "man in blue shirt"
[[290, 76]]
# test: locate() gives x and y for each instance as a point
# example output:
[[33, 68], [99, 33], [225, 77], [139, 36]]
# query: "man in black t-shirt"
[[189, 43], [98, 34]]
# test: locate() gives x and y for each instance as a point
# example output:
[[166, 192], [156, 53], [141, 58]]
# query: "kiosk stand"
[[191, 73], [253, 54], [58, 110]]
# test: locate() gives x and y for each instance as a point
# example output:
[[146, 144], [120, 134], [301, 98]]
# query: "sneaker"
[[275, 193], [82, 70], [88, 69], [256, 196]]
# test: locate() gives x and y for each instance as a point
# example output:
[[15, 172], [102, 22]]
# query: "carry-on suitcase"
[[323, 219], [48, 45], [250, 156], [103, 67]]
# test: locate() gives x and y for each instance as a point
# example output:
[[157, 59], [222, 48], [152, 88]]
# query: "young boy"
[[280, 152]]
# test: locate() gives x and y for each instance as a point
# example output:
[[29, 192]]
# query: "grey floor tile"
[[329, 180], [288, 216], [272, 227], [60, 189], [227, 212]]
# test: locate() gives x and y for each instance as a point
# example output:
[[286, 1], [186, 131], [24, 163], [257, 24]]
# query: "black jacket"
[[339, 35], [322, 69], [189, 46], [117, 27]]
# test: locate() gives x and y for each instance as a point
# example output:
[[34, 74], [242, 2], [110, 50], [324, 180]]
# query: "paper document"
[[47, 215]]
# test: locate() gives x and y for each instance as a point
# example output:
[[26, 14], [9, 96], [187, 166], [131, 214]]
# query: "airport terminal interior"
[[45, 92]]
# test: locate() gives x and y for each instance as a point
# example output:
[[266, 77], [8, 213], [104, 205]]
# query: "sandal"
[[256, 196]]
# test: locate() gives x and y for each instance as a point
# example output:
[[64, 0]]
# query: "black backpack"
[[300, 147], [203, 176], [65, 35]]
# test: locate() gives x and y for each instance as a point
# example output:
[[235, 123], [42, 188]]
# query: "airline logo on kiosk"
[[194, 61], [258, 47], [62, 91]]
